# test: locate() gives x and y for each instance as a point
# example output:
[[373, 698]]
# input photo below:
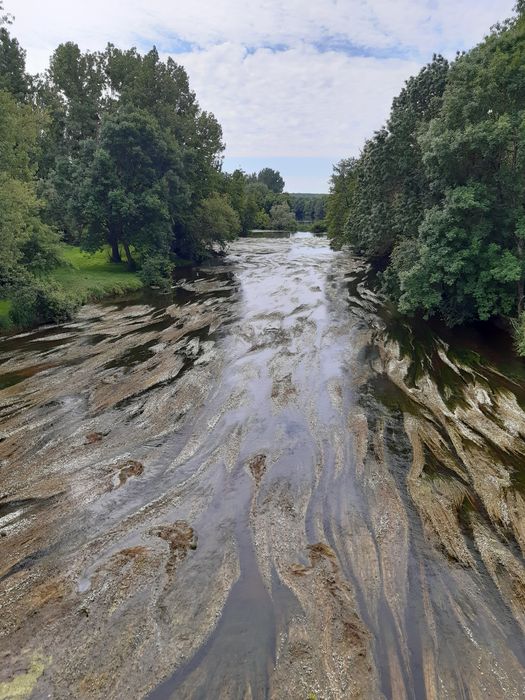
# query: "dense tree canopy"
[[272, 179], [126, 186], [308, 207], [254, 201], [438, 194]]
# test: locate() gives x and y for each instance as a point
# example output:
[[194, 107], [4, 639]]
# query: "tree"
[[439, 192], [342, 185], [391, 190], [13, 76], [78, 79], [282, 218], [29, 247], [215, 223], [126, 189], [272, 179], [474, 158]]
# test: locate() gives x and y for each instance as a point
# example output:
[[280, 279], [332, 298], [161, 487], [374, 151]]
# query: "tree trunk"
[[115, 251], [129, 257]]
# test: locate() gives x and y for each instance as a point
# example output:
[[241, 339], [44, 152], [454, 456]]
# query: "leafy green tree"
[[282, 218], [439, 192], [215, 223], [26, 243], [13, 76], [474, 157], [342, 186], [262, 220], [242, 201], [29, 247], [272, 179], [391, 189], [308, 207], [78, 79], [162, 89], [126, 189]]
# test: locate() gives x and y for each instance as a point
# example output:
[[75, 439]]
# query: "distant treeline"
[[308, 207], [437, 196], [259, 200]]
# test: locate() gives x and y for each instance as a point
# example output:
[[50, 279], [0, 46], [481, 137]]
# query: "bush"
[[319, 226], [156, 272], [39, 301]]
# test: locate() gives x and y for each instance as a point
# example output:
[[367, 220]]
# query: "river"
[[266, 485]]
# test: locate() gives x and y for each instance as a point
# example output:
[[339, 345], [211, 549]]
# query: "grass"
[[85, 277], [90, 276], [5, 307]]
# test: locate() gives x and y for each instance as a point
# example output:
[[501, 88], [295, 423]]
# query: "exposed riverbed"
[[265, 486]]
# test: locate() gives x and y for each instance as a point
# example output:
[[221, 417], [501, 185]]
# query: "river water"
[[266, 485]]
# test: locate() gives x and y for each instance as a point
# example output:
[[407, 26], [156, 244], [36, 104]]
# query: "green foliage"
[[5, 310], [319, 226], [27, 244], [156, 272], [128, 155], [215, 223], [308, 207], [262, 220], [13, 76], [40, 301], [439, 193], [272, 179], [342, 186], [126, 188], [253, 199], [282, 218]]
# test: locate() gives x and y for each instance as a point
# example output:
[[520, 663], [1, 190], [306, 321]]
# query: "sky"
[[296, 84]]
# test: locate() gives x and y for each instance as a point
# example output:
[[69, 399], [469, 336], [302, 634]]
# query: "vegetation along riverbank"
[[436, 198], [110, 153]]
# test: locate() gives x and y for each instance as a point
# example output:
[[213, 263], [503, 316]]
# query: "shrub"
[[39, 301], [156, 272], [319, 226]]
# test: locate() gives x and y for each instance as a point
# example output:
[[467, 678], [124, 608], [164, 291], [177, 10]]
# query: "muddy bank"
[[266, 486]]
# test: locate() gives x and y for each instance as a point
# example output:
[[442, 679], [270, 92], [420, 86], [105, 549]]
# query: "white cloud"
[[419, 24], [297, 102], [300, 101]]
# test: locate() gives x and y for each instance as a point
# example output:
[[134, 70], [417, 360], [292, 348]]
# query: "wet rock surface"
[[265, 486]]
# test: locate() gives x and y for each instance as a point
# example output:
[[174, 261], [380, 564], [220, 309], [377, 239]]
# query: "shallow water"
[[266, 485]]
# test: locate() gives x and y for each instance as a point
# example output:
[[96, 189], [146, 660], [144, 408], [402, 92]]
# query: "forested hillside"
[[437, 196]]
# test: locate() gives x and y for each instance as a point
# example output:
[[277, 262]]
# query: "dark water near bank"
[[264, 485]]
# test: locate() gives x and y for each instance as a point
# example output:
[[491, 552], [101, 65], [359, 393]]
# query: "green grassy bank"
[[85, 277]]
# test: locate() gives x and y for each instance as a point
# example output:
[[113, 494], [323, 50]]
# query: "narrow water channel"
[[266, 485]]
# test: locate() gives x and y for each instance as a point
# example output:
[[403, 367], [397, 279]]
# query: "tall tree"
[[28, 246], [126, 187], [342, 185], [272, 179]]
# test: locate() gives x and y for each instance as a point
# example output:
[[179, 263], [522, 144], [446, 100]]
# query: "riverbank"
[[85, 277]]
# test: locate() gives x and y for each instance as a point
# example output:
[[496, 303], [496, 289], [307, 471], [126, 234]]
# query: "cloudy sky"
[[296, 84]]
